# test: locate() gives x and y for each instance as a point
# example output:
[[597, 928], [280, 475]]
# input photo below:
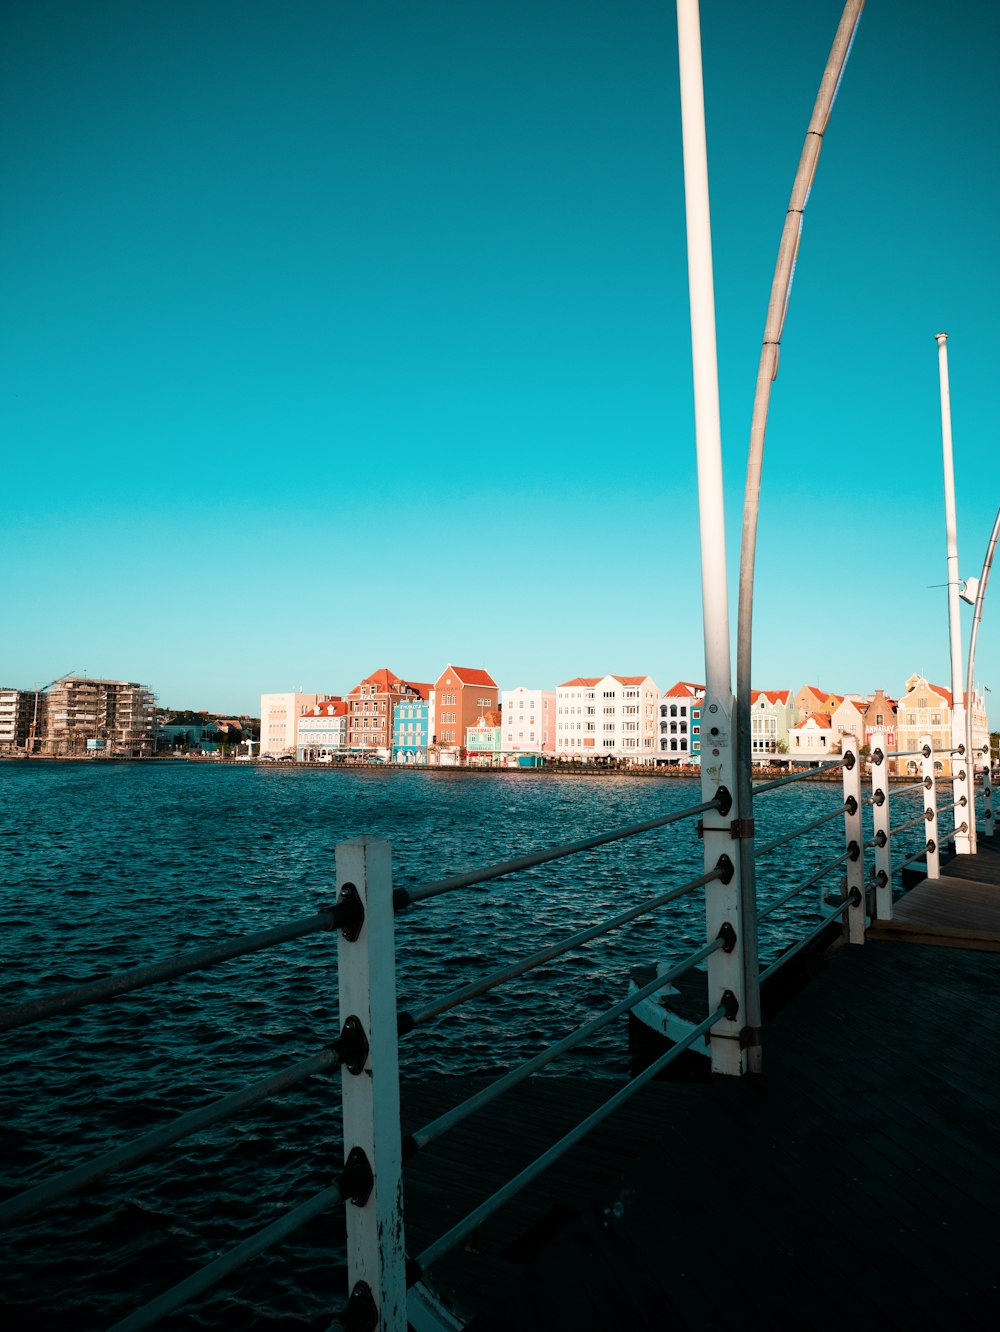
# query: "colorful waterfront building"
[[925, 709], [411, 730], [680, 711], [279, 719], [772, 712], [848, 718], [483, 741], [609, 716], [322, 732], [812, 740], [529, 722], [462, 694], [811, 698], [880, 718], [370, 708]]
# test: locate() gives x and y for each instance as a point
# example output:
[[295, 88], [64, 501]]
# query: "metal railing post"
[[376, 1262], [882, 906], [854, 841], [987, 793], [727, 979], [963, 794], [930, 808]]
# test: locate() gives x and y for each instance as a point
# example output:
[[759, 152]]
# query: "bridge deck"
[[961, 909], [857, 1179]]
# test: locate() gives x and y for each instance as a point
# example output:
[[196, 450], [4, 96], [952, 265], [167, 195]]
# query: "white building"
[[279, 720], [613, 716], [813, 740], [529, 721], [322, 731], [680, 723]]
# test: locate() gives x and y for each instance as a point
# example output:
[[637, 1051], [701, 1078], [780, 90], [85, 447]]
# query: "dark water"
[[106, 866]]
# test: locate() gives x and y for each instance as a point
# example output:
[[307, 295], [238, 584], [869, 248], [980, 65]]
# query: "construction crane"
[[34, 719]]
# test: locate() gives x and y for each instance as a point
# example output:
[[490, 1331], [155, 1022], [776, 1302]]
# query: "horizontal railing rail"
[[423, 1137], [141, 1149], [802, 776], [813, 878], [768, 847], [404, 897], [407, 1020], [138, 978], [474, 1219]]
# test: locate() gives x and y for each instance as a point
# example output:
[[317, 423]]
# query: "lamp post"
[[961, 785]]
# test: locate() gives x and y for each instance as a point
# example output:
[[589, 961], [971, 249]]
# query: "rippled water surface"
[[105, 866]]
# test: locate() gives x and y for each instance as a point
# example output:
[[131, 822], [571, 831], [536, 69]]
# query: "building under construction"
[[111, 717]]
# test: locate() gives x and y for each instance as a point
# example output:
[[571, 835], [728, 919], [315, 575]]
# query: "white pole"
[[970, 695], [960, 764], [372, 1144], [727, 971]]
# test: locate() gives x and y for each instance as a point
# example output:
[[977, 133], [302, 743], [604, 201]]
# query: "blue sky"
[[346, 335]]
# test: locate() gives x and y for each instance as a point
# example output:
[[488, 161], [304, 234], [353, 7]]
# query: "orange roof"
[[581, 680], [384, 680], [471, 676], [630, 679], [424, 690], [491, 719], [685, 689], [333, 707], [774, 695]]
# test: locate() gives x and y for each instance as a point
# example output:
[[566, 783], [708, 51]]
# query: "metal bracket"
[[851, 805], [353, 1045], [750, 1038], [353, 912], [357, 1179], [854, 897], [849, 760], [854, 851], [881, 878], [731, 1004], [878, 797], [361, 1314], [728, 936], [725, 800], [929, 815], [880, 838], [878, 758], [741, 828], [726, 869]]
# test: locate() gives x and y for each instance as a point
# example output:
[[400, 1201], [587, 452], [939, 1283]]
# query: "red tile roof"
[[630, 679], [774, 695], [685, 689], [581, 680], [472, 676]]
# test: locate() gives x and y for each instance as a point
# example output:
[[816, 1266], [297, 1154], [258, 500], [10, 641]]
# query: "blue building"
[[410, 726]]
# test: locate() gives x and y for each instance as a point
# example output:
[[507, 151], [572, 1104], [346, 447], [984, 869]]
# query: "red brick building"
[[461, 696], [370, 707]]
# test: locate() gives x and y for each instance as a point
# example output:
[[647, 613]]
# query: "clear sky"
[[345, 335]]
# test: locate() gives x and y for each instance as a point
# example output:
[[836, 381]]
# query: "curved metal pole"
[[976, 617], [766, 374]]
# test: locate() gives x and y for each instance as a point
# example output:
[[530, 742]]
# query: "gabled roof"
[[469, 675], [585, 680], [630, 679], [384, 680], [424, 690], [772, 695], [333, 707], [821, 719], [685, 689]]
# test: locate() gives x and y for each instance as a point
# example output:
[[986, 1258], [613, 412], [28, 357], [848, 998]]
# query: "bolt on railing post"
[[930, 808], [376, 1261], [963, 794], [987, 793], [854, 841], [882, 907], [727, 978]]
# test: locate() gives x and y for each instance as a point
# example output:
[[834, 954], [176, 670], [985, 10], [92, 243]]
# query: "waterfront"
[[106, 866]]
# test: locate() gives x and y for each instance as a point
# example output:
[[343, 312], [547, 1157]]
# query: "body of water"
[[105, 866]]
